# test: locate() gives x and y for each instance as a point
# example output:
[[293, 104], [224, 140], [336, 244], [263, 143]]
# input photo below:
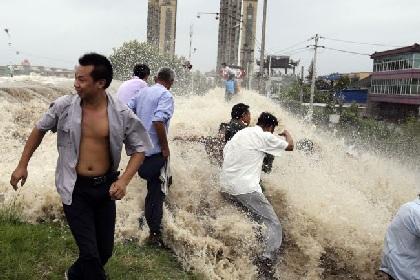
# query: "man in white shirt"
[[401, 254], [128, 89], [240, 179]]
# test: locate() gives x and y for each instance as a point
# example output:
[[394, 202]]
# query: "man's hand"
[[20, 173], [118, 189], [289, 140], [284, 133], [165, 152]]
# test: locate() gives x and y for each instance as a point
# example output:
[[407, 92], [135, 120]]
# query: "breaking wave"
[[334, 206]]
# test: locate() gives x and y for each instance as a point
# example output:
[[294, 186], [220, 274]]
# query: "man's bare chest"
[[95, 124]]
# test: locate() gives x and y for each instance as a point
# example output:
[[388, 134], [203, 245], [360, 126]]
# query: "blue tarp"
[[353, 95]]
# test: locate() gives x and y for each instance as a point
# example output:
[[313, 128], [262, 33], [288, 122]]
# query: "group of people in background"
[[92, 128]]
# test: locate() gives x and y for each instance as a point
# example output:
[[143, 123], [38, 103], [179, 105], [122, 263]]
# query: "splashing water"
[[334, 207]]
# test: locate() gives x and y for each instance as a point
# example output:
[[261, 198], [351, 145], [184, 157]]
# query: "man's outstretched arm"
[[21, 171], [289, 140]]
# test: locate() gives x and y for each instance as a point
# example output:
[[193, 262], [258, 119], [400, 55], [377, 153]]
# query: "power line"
[[296, 50], [360, 43], [299, 51], [294, 45], [344, 51]]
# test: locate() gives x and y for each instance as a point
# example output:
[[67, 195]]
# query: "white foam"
[[334, 208]]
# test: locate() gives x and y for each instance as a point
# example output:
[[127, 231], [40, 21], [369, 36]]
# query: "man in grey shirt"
[[401, 254], [91, 129]]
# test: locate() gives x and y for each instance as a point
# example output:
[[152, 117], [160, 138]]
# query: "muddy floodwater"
[[334, 206]]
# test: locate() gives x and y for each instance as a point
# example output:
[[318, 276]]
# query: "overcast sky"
[[56, 33]]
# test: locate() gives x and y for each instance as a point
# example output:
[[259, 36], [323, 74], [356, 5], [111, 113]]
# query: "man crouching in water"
[[240, 181], [91, 128]]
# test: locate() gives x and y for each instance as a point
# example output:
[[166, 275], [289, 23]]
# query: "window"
[[416, 60]]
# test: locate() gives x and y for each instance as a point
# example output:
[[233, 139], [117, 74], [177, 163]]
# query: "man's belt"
[[99, 180]]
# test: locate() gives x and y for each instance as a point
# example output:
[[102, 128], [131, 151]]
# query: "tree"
[[130, 53], [310, 71], [342, 83]]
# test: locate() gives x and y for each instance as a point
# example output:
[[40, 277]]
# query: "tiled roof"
[[409, 49]]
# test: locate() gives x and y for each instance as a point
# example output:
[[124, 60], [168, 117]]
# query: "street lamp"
[[11, 51], [219, 14], [231, 30]]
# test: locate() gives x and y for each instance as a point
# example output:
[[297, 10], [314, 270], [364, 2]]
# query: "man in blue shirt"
[[401, 254], [155, 106], [230, 86]]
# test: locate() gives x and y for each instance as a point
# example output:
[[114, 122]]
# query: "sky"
[[56, 33]]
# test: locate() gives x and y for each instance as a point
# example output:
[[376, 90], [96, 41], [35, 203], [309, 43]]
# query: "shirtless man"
[[91, 129]]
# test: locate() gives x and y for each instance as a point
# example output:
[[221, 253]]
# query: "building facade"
[[161, 25], [395, 83]]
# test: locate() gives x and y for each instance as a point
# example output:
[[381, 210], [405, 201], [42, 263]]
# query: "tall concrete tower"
[[153, 17], [161, 25], [229, 32], [249, 29]]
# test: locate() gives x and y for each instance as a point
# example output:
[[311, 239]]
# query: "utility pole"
[[311, 106], [301, 85], [189, 58], [261, 83]]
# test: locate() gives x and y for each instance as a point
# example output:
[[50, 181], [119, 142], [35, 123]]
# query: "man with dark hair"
[[155, 106], [130, 88], [241, 117], [240, 179], [91, 128]]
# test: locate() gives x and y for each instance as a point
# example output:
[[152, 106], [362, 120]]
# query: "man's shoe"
[[155, 239]]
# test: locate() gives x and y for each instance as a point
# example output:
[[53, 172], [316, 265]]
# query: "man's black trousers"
[[153, 208], [91, 218]]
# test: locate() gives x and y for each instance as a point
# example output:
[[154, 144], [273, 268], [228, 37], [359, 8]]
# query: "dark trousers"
[[153, 208], [91, 218]]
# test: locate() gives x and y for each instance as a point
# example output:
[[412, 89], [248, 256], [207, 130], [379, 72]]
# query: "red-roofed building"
[[395, 84]]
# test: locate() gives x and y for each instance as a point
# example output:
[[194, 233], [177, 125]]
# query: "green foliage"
[[130, 53], [310, 71], [399, 140], [322, 96], [292, 92], [133, 52], [45, 251], [321, 84], [342, 83], [350, 116], [11, 213]]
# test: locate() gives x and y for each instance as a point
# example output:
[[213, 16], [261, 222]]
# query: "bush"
[[130, 53]]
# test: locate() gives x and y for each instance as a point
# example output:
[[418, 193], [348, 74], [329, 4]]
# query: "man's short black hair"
[[238, 110], [141, 71], [166, 74], [102, 67], [267, 120]]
